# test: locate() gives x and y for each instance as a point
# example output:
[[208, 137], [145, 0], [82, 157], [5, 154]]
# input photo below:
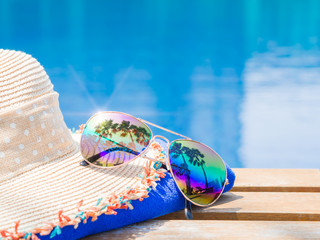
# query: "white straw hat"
[[42, 184]]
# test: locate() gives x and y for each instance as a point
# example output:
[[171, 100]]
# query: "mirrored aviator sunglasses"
[[111, 139]]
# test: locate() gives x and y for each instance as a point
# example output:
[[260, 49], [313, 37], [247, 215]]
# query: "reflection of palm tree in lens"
[[132, 130], [144, 134], [176, 152], [196, 158], [103, 129], [125, 128], [114, 128], [141, 133]]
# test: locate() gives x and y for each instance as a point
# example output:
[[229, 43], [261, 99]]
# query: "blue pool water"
[[241, 76]]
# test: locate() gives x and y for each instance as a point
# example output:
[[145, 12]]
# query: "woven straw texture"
[[39, 160]]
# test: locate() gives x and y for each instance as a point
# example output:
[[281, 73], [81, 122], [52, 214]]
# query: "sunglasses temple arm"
[[188, 210], [165, 129]]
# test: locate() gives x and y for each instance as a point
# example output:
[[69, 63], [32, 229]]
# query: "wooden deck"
[[264, 204]]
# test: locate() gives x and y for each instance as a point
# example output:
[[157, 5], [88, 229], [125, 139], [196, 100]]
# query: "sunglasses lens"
[[111, 139], [199, 172]]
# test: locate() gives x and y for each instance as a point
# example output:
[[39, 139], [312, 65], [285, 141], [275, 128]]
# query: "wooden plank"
[[272, 206], [277, 180], [162, 229]]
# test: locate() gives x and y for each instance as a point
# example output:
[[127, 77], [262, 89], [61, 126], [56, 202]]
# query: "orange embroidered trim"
[[107, 205]]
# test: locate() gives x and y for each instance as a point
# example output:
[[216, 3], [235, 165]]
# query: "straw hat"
[[42, 184]]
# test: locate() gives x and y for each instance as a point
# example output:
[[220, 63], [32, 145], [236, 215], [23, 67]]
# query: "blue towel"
[[166, 199]]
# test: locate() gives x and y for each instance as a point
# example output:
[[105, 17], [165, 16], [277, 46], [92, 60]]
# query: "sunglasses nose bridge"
[[158, 136], [168, 142]]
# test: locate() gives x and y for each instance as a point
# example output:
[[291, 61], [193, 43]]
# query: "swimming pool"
[[240, 76]]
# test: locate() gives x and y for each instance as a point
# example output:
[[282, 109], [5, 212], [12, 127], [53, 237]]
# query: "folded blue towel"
[[166, 199]]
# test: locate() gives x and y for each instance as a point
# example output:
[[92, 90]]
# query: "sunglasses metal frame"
[[166, 162]]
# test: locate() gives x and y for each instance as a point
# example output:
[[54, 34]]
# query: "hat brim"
[[49, 195]]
